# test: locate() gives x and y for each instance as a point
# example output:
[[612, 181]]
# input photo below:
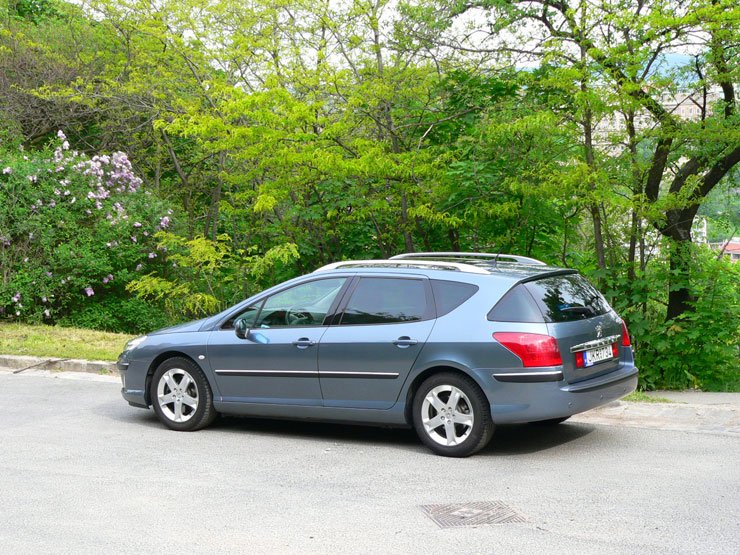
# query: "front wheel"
[[181, 396], [452, 416]]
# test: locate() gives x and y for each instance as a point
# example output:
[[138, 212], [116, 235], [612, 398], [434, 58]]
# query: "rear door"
[[364, 359]]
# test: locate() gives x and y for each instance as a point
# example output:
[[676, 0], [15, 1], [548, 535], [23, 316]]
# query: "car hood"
[[195, 325]]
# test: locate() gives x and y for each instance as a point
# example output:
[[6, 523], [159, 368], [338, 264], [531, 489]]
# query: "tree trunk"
[[680, 298]]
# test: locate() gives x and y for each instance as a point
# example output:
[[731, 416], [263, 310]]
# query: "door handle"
[[304, 343], [404, 341]]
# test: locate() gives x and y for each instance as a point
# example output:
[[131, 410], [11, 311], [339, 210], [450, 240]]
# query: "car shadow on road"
[[523, 439], [509, 440], [321, 431]]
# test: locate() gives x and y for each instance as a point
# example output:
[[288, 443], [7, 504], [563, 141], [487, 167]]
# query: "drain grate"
[[456, 515]]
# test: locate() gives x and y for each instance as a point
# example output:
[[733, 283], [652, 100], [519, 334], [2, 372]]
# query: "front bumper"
[[529, 402], [133, 389]]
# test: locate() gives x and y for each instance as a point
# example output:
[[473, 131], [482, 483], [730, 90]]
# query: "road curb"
[[20, 363]]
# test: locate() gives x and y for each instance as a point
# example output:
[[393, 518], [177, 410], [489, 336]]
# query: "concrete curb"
[[22, 363]]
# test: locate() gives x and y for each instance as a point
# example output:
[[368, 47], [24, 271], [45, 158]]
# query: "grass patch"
[[55, 341], [642, 397]]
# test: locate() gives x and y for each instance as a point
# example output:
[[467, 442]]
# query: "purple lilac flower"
[[133, 238], [89, 291], [61, 135], [108, 278], [164, 222], [152, 255], [138, 267], [49, 274], [7, 170], [32, 178], [17, 297], [137, 224]]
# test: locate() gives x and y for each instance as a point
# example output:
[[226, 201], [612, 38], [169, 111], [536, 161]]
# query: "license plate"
[[592, 356]]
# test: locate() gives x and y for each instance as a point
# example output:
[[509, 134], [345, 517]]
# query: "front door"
[[277, 362]]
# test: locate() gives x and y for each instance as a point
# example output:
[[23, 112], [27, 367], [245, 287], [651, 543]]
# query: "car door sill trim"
[[270, 373], [370, 375]]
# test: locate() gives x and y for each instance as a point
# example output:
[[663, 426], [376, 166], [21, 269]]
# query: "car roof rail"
[[397, 263], [484, 255]]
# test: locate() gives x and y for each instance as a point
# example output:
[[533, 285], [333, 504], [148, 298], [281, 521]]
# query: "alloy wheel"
[[447, 415], [177, 395]]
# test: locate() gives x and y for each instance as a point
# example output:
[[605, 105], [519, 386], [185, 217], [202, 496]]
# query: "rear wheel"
[[452, 416], [181, 396]]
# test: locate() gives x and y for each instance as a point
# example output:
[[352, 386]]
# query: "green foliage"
[[117, 314], [198, 275], [701, 348]]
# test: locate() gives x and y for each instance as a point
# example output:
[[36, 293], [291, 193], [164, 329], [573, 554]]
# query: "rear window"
[[448, 295], [554, 299], [386, 301], [567, 298]]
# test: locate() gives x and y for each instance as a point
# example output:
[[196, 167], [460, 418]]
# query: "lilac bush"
[[74, 230]]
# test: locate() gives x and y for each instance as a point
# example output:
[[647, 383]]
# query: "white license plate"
[[592, 356]]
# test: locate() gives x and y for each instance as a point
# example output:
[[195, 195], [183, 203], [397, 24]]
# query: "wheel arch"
[[428, 372], [159, 359]]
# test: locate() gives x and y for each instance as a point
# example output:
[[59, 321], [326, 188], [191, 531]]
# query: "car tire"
[[550, 421], [452, 416], [181, 396]]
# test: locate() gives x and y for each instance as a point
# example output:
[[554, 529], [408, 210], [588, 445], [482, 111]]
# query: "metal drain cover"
[[456, 515]]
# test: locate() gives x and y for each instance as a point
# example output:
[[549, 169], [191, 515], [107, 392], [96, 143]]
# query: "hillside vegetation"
[[161, 161]]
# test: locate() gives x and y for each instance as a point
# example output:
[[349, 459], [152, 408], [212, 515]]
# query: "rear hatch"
[[587, 330]]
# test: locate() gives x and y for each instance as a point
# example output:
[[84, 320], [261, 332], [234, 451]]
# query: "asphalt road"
[[82, 472]]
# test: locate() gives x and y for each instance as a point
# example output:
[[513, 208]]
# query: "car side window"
[[302, 305], [386, 301]]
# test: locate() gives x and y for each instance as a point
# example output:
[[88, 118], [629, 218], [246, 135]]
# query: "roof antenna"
[[495, 260]]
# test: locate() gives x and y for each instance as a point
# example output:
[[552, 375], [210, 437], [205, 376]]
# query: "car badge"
[[599, 329]]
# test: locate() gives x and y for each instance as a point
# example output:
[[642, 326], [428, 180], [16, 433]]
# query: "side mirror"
[[241, 328]]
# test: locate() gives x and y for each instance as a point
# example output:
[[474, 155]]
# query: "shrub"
[[700, 349], [74, 230]]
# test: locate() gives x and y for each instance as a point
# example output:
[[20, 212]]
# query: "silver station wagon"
[[448, 343]]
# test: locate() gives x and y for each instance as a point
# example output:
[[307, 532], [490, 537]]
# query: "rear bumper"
[[529, 402]]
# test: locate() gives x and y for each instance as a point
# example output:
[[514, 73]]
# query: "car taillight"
[[625, 336], [533, 349]]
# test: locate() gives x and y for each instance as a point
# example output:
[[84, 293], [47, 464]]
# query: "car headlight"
[[135, 343]]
